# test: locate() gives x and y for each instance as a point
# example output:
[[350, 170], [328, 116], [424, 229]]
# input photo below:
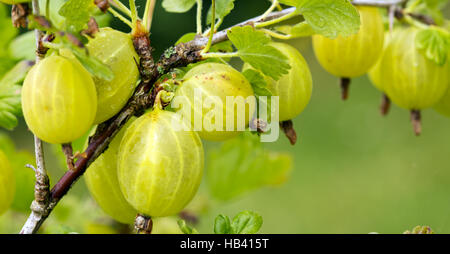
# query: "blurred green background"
[[354, 170]]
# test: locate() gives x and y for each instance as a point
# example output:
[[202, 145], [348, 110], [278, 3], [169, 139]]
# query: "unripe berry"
[[160, 164], [59, 100], [216, 83], [116, 50], [103, 183]]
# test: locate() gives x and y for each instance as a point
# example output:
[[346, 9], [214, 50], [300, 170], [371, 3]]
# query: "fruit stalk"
[[345, 87], [416, 119], [143, 224], [385, 105], [288, 129], [182, 55]]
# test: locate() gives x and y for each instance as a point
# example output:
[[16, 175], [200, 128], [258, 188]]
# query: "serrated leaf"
[[222, 224], [10, 99], [246, 223], [253, 48], [242, 164], [223, 8], [259, 84], [330, 18], [434, 44], [178, 6], [77, 13], [301, 29]]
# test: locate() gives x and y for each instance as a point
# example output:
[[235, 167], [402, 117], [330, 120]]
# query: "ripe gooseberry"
[[103, 183], [7, 183], [352, 56], [59, 100], [116, 50], [159, 167], [410, 79], [211, 86], [294, 88]]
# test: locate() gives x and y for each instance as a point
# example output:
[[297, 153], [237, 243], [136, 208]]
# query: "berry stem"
[[213, 24], [345, 87], [121, 7], [288, 129], [385, 105], [199, 16], [148, 14], [416, 119]]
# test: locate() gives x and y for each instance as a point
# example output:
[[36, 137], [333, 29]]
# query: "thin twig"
[[41, 190]]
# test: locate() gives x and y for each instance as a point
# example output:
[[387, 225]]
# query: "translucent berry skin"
[[59, 100], [409, 79], [293, 89], [354, 55], [160, 167], [375, 72], [443, 106], [116, 50], [7, 183], [216, 82], [103, 183]]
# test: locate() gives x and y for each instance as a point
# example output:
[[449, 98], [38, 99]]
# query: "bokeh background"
[[354, 170]]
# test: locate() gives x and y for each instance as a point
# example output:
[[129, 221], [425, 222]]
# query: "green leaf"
[[23, 46], [186, 38], [434, 43], [253, 48], [10, 99], [185, 228], [222, 225], [246, 223], [259, 84], [330, 18], [77, 13], [301, 29], [223, 8], [178, 6], [242, 164], [93, 65], [7, 31]]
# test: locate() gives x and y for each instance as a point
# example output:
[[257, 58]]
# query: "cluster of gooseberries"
[[394, 64], [149, 167], [152, 169]]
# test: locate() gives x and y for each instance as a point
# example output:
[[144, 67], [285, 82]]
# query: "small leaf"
[[185, 228], [77, 13], [186, 38], [178, 6], [223, 8], [222, 225], [246, 223], [301, 29], [253, 48], [434, 43], [259, 84], [330, 18], [94, 66], [23, 46]]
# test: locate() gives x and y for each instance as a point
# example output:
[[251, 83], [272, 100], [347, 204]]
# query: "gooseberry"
[[59, 100], [7, 183], [103, 184], [293, 89], [208, 93], [14, 1], [352, 56], [116, 50], [160, 164], [410, 79]]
